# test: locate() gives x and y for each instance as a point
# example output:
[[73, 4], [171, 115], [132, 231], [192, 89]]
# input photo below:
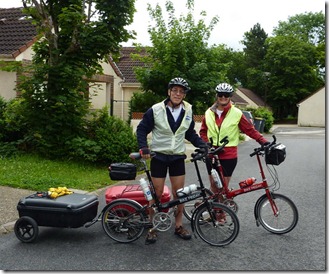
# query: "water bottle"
[[216, 178], [186, 190], [146, 190], [247, 182]]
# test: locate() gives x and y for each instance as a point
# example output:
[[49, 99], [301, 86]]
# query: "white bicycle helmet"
[[224, 87], [179, 82]]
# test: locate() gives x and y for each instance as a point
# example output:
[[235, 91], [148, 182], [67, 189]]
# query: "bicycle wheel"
[[190, 206], [220, 232], [284, 221], [123, 220], [26, 229]]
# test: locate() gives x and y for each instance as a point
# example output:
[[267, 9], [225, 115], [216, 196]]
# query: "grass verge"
[[33, 172]]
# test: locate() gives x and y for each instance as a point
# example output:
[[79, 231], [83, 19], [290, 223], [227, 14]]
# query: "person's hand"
[[266, 144], [145, 152], [205, 145]]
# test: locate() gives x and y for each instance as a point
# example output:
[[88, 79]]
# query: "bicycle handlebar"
[[138, 156], [263, 148], [202, 152]]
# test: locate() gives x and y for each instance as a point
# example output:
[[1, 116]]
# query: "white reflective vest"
[[163, 139]]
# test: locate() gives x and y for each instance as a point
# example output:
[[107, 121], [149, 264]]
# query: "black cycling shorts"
[[159, 168], [228, 166]]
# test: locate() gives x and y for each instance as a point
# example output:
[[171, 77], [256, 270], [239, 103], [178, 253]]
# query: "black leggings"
[[228, 166]]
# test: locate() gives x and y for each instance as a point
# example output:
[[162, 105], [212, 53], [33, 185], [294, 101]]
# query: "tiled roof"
[[238, 100], [126, 64], [16, 33], [252, 96]]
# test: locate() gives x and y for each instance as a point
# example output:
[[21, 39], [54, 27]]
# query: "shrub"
[[108, 140], [265, 113], [142, 101]]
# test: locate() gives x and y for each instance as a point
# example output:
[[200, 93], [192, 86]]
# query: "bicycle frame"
[[181, 200], [231, 193]]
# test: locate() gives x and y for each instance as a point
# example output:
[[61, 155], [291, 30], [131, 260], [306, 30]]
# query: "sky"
[[235, 16]]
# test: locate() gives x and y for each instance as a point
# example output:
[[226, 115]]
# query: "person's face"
[[223, 98], [176, 94]]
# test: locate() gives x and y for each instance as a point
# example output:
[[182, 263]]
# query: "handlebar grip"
[[199, 154], [255, 152]]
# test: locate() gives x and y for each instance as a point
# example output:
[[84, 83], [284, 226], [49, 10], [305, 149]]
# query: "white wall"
[[7, 85], [311, 112], [97, 92]]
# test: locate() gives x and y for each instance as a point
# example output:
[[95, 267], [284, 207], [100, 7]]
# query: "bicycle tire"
[[218, 234], [190, 206], [284, 222], [123, 220]]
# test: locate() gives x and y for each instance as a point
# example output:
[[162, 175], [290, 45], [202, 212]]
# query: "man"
[[171, 122]]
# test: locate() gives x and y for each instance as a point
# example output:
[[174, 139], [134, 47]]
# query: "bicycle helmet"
[[224, 87], [179, 82]]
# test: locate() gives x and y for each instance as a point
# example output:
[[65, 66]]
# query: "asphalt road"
[[302, 177]]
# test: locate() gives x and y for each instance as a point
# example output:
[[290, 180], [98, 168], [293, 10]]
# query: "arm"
[[203, 130], [246, 127], [144, 127], [193, 137]]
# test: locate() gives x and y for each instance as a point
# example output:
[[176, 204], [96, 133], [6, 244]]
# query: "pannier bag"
[[275, 155], [122, 171]]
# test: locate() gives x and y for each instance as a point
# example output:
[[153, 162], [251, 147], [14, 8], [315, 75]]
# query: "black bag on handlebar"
[[122, 171], [275, 155]]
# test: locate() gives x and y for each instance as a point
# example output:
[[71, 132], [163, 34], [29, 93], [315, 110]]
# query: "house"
[[312, 110], [249, 98], [17, 35], [114, 87]]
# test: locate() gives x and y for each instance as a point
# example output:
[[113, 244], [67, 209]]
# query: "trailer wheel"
[[26, 229]]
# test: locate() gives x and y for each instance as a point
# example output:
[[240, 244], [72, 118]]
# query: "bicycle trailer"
[[70, 211], [133, 192]]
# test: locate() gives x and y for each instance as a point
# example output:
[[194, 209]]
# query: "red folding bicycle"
[[275, 212]]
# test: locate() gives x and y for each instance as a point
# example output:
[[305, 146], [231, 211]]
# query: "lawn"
[[36, 173]]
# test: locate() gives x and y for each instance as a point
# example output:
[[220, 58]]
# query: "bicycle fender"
[[261, 198], [118, 201], [193, 216]]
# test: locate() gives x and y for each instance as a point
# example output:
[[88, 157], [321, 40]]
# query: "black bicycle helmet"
[[224, 87], [179, 82]]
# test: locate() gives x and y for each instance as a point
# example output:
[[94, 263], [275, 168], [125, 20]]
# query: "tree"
[[255, 51], [292, 68], [73, 41], [255, 48], [310, 28], [179, 49]]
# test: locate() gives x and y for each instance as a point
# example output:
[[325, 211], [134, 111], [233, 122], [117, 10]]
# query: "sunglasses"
[[225, 94]]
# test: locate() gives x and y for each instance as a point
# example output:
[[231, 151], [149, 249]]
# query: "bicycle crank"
[[162, 221], [231, 204]]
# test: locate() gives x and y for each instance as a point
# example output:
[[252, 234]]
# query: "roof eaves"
[[24, 47]]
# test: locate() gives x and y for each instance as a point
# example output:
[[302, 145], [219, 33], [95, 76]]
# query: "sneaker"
[[151, 237], [183, 233]]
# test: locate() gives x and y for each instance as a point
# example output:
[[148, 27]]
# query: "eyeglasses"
[[178, 91], [225, 94]]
